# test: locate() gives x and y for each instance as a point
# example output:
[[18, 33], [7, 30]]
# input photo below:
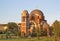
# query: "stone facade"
[[24, 23]]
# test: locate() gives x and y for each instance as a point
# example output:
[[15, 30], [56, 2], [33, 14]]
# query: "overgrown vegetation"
[[12, 32]]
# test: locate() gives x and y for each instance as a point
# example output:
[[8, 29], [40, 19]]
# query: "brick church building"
[[33, 20]]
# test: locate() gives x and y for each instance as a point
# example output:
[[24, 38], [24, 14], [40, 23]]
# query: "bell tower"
[[25, 23]]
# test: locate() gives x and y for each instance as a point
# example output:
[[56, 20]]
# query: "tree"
[[12, 29], [56, 27], [34, 33]]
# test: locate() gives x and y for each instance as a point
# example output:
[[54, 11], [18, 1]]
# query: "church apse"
[[24, 23]]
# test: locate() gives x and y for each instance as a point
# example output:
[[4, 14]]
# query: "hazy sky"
[[10, 10]]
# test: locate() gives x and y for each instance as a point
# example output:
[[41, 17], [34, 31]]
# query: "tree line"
[[13, 30]]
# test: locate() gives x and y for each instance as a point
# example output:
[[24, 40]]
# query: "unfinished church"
[[34, 20]]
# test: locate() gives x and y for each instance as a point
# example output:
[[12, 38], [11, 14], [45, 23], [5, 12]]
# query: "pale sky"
[[10, 10]]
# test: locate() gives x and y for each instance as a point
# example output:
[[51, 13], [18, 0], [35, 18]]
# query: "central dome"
[[36, 11]]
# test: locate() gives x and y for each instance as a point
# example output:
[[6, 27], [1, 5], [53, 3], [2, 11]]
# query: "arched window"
[[23, 18], [32, 18]]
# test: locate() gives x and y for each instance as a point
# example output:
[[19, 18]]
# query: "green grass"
[[29, 39]]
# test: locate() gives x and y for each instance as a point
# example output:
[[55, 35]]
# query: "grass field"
[[29, 39]]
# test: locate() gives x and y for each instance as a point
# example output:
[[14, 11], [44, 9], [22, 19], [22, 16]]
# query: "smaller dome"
[[25, 12]]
